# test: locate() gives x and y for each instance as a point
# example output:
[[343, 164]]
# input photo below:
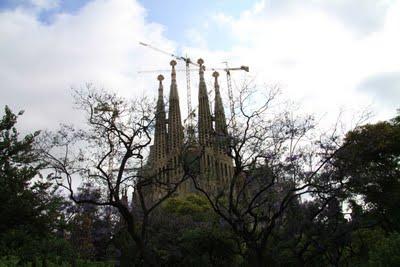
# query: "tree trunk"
[[44, 262], [256, 258], [260, 259], [144, 253]]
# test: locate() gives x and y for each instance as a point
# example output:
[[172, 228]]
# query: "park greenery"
[[296, 198]]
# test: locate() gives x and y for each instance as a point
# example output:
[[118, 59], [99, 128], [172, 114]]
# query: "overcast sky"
[[327, 55]]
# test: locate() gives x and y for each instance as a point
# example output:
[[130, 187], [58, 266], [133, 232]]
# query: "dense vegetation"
[[354, 224]]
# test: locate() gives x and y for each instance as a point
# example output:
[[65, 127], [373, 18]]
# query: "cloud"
[[317, 58], [45, 4], [317, 52], [384, 86], [363, 16], [98, 43]]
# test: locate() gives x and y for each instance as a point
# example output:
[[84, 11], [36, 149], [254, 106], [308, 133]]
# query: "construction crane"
[[229, 85], [188, 62]]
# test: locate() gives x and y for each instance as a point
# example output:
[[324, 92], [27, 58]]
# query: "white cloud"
[[99, 44], [360, 16], [317, 57]]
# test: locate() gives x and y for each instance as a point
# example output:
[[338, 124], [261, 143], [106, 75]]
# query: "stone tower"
[[221, 134], [175, 129], [205, 119], [160, 133]]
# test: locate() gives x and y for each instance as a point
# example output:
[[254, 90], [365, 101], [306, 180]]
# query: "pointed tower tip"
[[216, 85], [159, 149], [173, 73], [160, 78], [202, 68]]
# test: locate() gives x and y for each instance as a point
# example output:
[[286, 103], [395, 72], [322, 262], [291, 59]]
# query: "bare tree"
[[110, 152], [279, 158]]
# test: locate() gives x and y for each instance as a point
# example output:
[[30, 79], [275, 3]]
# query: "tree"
[[278, 160], [284, 204], [110, 152], [185, 231], [371, 164], [29, 207]]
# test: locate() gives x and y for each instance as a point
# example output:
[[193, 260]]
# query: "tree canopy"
[[295, 198]]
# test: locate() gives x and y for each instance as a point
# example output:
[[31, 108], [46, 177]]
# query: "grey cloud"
[[385, 87]]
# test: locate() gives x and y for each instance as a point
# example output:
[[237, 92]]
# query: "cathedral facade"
[[194, 154]]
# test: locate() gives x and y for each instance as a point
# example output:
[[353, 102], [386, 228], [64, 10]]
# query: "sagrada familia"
[[176, 152]]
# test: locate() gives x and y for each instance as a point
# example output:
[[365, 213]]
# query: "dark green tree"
[[91, 227], [371, 164], [29, 211], [186, 232]]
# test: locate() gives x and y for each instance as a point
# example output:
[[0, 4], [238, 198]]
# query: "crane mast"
[[190, 124], [230, 90]]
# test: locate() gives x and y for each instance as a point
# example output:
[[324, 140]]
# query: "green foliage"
[[20, 198], [386, 252], [209, 247], [11, 261], [372, 247], [371, 161], [29, 210], [185, 230], [195, 205]]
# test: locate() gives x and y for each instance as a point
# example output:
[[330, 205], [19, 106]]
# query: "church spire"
[[220, 120], [205, 120], [175, 129], [160, 139]]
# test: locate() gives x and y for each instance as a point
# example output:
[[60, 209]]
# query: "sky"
[[328, 56]]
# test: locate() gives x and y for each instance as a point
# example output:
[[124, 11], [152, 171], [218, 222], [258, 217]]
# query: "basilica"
[[200, 151]]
